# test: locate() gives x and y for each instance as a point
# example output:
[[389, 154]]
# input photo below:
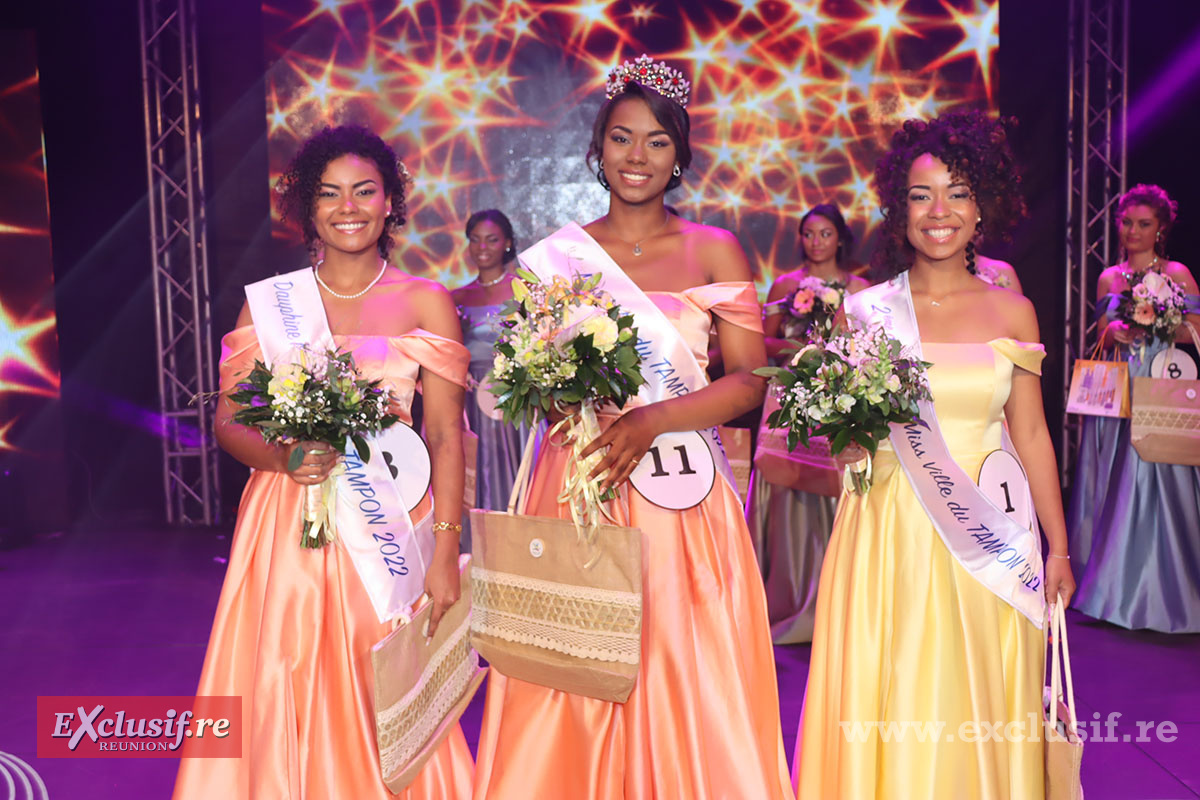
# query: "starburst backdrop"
[[490, 103], [29, 379]]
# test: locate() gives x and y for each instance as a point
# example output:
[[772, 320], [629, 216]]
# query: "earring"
[[677, 171], [971, 258]]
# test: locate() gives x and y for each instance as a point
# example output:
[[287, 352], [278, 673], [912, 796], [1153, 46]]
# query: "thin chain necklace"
[[486, 284], [325, 286], [637, 246]]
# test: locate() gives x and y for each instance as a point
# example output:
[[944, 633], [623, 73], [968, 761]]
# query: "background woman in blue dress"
[[1134, 525], [491, 248]]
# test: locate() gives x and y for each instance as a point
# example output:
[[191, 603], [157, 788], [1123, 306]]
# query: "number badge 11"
[[677, 471]]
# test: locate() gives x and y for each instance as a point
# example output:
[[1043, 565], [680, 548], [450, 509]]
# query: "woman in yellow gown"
[[923, 683], [294, 627], [702, 721]]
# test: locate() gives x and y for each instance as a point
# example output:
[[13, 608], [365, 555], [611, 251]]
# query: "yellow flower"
[[287, 381]]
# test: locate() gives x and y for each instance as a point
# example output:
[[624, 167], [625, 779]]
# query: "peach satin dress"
[[294, 627], [702, 722]]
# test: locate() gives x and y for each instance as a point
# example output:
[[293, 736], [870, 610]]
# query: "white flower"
[[830, 296], [603, 330], [844, 403], [893, 383], [1157, 285]]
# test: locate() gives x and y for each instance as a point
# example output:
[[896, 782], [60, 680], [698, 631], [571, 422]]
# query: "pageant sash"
[[389, 553], [668, 364], [998, 552]]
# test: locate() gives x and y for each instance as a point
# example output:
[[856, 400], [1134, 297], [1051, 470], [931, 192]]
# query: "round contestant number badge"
[[1003, 481], [1174, 364], [407, 458], [677, 471]]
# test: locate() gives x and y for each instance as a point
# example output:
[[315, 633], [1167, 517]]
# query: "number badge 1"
[[1003, 481], [677, 471]]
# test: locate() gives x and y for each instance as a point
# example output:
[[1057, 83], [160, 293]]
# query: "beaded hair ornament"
[[668, 82]]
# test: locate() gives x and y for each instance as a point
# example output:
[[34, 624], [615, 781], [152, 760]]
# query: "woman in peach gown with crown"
[[702, 721], [294, 627], [904, 633]]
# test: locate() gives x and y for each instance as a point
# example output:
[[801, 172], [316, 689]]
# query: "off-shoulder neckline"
[[414, 333], [701, 286], [989, 342]]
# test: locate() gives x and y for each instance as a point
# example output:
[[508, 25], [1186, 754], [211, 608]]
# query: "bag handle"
[[524, 472], [1059, 667]]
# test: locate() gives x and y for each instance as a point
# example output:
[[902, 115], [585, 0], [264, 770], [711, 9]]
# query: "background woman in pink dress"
[[294, 627]]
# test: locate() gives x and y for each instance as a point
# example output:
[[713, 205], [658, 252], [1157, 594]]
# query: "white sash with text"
[[999, 553], [389, 553]]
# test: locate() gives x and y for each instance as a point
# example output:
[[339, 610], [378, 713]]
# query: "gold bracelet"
[[447, 526]]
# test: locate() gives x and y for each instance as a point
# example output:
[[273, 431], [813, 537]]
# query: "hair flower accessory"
[[668, 82]]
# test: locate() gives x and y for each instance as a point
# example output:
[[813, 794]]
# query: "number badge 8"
[[677, 471], [1173, 364]]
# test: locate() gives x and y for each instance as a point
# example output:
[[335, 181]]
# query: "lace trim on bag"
[[1167, 418], [580, 621], [406, 725]]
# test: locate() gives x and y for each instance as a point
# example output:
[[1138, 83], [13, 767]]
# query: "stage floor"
[[128, 612]]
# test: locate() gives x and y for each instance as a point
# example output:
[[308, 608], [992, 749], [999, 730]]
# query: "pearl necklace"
[[325, 286], [637, 246], [486, 284]]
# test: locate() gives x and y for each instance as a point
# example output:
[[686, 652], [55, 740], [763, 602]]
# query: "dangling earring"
[[601, 177], [677, 171]]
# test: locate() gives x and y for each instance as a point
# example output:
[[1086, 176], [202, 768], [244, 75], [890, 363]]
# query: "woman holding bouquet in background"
[[904, 631], [294, 626], [1133, 523], [790, 527], [492, 249], [703, 717]]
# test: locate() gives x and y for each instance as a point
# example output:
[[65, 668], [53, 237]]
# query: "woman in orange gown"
[[294, 627], [702, 720]]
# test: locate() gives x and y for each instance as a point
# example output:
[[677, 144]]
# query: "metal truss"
[[178, 240], [1098, 94]]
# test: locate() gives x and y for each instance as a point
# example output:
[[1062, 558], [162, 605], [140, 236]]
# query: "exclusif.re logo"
[[139, 727]]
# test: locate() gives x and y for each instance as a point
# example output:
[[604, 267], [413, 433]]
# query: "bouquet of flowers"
[[314, 397], [812, 306], [562, 344], [1153, 304], [850, 387]]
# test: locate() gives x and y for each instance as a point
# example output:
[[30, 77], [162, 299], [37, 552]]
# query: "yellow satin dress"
[[702, 722], [904, 635], [294, 627]]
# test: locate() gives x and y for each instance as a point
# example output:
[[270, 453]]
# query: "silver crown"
[[668, 82]]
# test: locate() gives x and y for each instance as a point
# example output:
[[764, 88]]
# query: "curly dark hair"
[[297, 186], [1157, 200], [497, 217], [672, 116], [976, 150], [845, 236]]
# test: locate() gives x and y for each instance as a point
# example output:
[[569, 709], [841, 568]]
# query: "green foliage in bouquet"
[[320, 399], [562, 343], [850, 388]]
